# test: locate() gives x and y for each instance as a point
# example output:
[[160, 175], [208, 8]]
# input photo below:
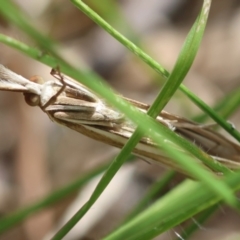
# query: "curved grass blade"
[[155, 189], [18, 216], [184, 62], [86, 84], [183, 202], [155, 65], [225, 108], [13, 14]]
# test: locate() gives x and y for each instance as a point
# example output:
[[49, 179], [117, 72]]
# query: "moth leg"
[[57, 74]]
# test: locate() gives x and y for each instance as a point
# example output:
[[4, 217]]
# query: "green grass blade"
[[155, 65], [89, 78], [122, 39], [18, 216], [151, 127], [211, 113], [183, 64], [183, 202], [7, 8], [155, 189], [225, 108], [198, 222], [11, 12], [99, 88], [82, 76]]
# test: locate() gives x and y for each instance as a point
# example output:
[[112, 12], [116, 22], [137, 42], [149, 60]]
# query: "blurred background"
[[38, 156]]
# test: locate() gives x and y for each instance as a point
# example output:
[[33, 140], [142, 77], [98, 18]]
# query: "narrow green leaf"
[[155, 65], [18, 216], [225, 107], [155, 189], [183, 202], [184, 62]]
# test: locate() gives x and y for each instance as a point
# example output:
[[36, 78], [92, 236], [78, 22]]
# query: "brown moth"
[[71, 104]]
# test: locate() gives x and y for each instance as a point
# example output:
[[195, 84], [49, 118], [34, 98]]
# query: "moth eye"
[[32, 99]]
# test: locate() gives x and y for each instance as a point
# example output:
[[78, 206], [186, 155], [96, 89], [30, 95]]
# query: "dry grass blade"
[[73, 105]]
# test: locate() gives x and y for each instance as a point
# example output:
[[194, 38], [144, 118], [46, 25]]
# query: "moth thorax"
[[32, 99]]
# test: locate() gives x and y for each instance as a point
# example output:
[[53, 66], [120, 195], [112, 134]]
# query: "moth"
[[73, 105]]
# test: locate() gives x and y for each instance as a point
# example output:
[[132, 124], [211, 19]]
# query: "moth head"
[[49, 91], [33, 99]]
